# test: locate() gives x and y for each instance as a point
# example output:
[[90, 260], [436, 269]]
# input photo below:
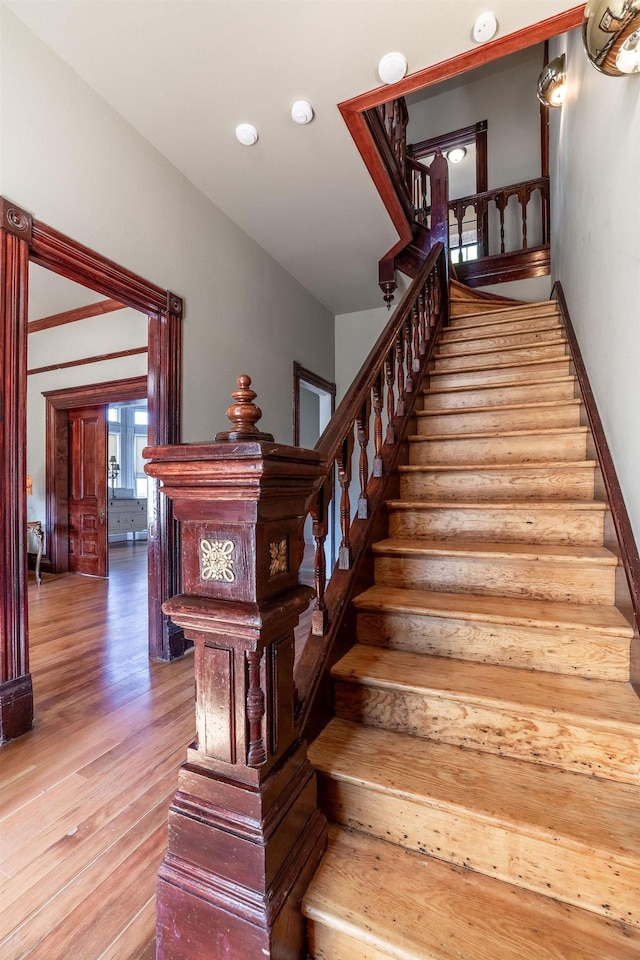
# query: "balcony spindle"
[[344, 479], [362, 430]]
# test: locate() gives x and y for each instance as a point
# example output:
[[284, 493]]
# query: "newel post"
[[245, 832]]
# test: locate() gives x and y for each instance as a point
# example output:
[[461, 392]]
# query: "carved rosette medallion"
[[279, 557], [15, 220], [216, 560]]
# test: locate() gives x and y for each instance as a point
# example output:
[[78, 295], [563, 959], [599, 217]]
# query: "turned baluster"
[[400, 373], [415, 323], [408, 385], [362, 430], [424, 323], [376, 391], [319, 617], [255, 710], [389, 375], [344, 479], [524, 196], [501, 202]]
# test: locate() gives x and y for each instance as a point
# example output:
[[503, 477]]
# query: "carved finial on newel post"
[[245, 831], [244, 414]]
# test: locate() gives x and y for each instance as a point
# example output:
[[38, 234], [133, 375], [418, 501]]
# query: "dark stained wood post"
[[16, 693], [245, 833]]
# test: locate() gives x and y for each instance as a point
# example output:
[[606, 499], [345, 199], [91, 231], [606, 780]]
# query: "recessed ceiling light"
[[485, 27], [302, 111], [246, 134], [392, 67], [456, 154]]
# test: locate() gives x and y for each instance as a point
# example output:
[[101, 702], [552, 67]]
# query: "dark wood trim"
[[58, 404], [518, 265], [353, 110], [166, 639], [383, 147], [16, 695], [475, 132], [71, 316], [53, 250], [301, 373], [626, 542], [62, 255], [116, 355]]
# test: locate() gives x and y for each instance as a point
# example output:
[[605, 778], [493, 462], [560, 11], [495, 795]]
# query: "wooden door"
[[88, 491]]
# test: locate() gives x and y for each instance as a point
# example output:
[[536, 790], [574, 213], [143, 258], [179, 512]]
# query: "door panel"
[[88, 491]]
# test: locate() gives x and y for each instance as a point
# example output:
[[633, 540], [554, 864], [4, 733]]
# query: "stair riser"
[[497, 576], [570, 652], [539, 371], [498, 341], [532, 483], [477, 330], [498, 449], [517, 525], [470, 315], [494, 396], [524, 418], [517, 355], [325, 943], [542, 864], [497, 727]]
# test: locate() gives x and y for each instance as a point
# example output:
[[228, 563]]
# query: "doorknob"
[[102, 516]]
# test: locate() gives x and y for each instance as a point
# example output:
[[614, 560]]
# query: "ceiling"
[[184, 73]]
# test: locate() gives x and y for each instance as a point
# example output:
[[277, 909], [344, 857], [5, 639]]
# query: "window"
[[128, 436]]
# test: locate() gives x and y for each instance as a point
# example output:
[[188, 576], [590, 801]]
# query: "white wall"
[[595, 206], [74, 163], [356, 334]]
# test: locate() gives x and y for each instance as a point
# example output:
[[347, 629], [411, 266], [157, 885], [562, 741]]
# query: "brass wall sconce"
[[611, 36], [552, 83]]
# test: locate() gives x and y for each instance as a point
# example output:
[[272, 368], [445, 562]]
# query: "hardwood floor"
[[84, 797]]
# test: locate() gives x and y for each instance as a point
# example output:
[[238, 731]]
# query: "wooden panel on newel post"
[[16, 694], [245, 832]]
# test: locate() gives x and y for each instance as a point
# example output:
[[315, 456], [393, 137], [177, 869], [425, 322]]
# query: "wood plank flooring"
[[84, 797]]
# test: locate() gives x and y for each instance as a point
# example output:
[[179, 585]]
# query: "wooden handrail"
[[377, 406]]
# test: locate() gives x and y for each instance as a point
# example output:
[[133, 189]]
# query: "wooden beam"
[[78, 363], [70, 316]]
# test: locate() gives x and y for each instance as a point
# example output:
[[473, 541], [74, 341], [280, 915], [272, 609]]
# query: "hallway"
[[84, 797]]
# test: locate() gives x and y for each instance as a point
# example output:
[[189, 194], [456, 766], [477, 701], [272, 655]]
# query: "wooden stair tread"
[[375, 900], [501, 408], [503, 385], [522, 551], [556, 505], [608, 704], [523, 612], [480, 368], [475, 467], [479, 351], [527, 311], [538, 800], [451, 335], [538, 431]]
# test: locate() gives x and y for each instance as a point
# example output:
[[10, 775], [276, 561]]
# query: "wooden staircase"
[[482, 773]]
